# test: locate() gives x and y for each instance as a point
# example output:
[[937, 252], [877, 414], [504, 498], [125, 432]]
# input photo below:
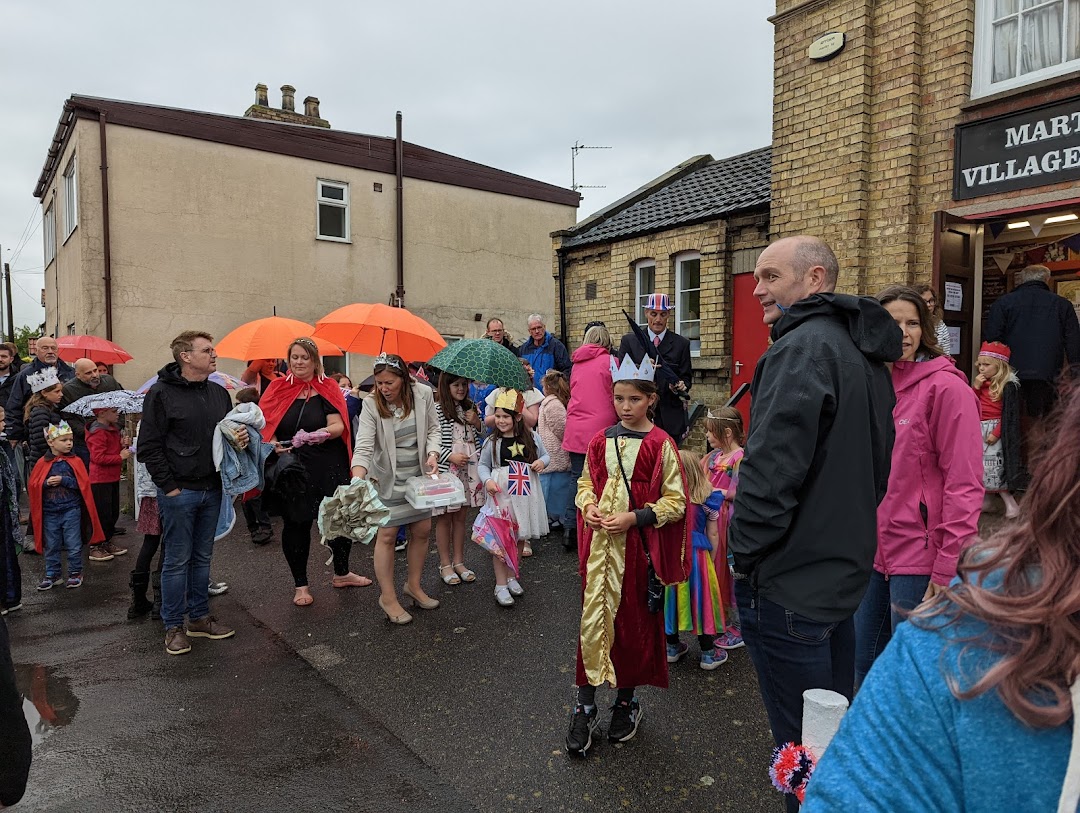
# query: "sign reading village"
[[1037, 147]]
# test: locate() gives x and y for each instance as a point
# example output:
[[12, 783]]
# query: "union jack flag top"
[[518, 481]]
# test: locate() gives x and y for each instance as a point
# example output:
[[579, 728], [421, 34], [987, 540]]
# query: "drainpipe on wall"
[[398, 156], [562, 296], [105, 226]]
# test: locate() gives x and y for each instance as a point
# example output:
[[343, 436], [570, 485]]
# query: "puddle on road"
[[48, 701]]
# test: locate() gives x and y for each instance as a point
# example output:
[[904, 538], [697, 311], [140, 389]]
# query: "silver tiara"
[[388, 361]]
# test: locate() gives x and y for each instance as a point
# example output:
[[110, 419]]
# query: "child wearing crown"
[[510, 461], [998, 390], [60, 497], [633, 538]]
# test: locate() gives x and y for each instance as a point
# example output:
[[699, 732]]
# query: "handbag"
[[654, 589]]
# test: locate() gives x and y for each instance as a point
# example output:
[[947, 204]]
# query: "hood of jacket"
[[908, 375], [170, 374], [870, 326], [589, 351]]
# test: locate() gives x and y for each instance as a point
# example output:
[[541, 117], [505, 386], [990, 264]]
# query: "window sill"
[[333, 239], [68, 235], [977, 103]]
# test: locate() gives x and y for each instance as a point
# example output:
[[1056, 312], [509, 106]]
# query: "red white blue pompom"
[[792, 766]]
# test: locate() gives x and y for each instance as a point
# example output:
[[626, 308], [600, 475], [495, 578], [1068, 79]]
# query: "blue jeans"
[[877, 616], [792, 653], [188, 522], [577, 465], [557, 492], [63, 531]]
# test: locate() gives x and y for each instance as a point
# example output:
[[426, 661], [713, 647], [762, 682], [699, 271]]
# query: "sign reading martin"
[[1037, 147]]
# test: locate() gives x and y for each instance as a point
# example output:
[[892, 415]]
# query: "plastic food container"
[[434, 491]]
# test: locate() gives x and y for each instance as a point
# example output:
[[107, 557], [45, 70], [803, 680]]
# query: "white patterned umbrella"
[[123, 401], [353, 511]]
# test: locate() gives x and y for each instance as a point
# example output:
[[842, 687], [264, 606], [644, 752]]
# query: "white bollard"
[[822, 712]]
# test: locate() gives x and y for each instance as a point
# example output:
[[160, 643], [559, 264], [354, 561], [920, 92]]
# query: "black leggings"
[[296, 545], [586, 695], [705, 642], [150, 545]]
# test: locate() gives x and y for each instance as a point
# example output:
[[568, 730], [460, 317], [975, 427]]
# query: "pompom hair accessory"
[[791, 769]]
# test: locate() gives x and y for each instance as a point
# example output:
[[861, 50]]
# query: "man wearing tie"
[[674, 351]]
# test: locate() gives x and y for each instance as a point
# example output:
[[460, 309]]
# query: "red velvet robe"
[[639, 650], [39, 475]]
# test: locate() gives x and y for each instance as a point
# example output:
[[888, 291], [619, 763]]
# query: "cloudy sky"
[[511, 85]]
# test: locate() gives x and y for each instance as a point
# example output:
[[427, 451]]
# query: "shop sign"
[[1037, 147]]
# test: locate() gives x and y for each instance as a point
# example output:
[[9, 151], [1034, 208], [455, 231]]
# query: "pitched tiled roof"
[[716, 188]]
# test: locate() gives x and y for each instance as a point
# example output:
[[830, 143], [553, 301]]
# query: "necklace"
[[397, 411]]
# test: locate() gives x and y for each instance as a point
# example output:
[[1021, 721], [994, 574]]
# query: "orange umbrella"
[[95, 348], [269, 338], [373, 329]]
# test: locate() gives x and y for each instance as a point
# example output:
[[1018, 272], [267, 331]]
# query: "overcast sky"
[[511, 85]]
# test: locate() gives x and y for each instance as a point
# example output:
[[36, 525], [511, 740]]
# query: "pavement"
[[331, 708]]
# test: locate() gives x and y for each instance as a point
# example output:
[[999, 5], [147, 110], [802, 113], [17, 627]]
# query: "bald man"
[[87, 381]]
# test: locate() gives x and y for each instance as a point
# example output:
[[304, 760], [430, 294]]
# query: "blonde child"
[[695, 605], [999, 410], [512, 442], [724, 432], [459, 424]]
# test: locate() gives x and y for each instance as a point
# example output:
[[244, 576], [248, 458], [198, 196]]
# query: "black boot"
[[155, 583], [139, 604], [569, 540]]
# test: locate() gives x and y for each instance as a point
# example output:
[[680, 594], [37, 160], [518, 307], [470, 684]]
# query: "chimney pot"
[[311, 107], [288, 98], [260, 96]]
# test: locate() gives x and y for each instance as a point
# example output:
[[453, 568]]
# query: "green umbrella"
[[482, 360]]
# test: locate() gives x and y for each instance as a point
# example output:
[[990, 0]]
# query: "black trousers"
[[296, 545], [107, 503]]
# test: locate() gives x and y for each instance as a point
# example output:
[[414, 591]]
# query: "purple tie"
[[656, 341]]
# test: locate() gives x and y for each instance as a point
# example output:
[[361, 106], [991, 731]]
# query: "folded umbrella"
[[124, 401], [353, 511], [496, 530], [483, 360]]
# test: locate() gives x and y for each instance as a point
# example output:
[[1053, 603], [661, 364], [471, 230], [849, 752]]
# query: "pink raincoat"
[[591, 408], [931, 509]]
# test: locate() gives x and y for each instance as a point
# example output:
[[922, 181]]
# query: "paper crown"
[[56, 430], [42, 379], [995, 350], [628, 371], [657, 302], [509, 399]]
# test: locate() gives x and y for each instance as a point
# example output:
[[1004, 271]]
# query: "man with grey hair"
[[804, 529], [543, 351], [1042, 331]]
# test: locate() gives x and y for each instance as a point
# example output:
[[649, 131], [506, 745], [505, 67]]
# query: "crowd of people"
[[851, 505]]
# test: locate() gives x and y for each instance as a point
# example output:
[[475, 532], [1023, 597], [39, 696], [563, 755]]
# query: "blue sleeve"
[[716, 499], [896, 750], [541, 450], [68, 480]]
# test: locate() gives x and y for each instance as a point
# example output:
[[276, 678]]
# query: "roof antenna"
[[574, 150]]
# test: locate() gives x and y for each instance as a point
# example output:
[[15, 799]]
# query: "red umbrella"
[[95, 348]]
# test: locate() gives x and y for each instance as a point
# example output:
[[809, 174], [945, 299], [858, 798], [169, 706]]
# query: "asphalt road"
[[331, 708]]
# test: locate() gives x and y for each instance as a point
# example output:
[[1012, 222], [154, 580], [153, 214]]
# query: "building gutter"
[[399, 154], [105, 225]]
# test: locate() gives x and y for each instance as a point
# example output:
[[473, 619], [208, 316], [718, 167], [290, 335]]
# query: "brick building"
[[694, 233], [940, 143]]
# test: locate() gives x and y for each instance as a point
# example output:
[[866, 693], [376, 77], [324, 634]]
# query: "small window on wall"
[[450, 338], [71, 328], [645, 284], [71, 200], [688, 299], [333, 203], [1018, 42], [49, 228]]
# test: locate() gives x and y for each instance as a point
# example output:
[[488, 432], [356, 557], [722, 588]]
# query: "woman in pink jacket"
[[931, 509], [590, 410]]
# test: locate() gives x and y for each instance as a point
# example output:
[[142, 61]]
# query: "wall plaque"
[[827, 45]]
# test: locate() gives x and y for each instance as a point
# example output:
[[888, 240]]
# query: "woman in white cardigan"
[[398, 437]]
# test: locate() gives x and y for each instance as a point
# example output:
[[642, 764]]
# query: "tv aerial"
[[574, 150]]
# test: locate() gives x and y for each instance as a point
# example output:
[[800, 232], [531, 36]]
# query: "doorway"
[[749, 338]]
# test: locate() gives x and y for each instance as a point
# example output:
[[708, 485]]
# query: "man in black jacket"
[[1042, 331], [14, 733], [87, 381], [180, 413], [47, 356], [497, 333], [804, 528]]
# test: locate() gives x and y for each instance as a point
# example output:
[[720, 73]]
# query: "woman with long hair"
[[937, 316], [399, 437], [935, 494], [307, 400], [973, 705]]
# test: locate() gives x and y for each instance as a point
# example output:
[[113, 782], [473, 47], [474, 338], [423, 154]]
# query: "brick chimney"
[[287, 113]]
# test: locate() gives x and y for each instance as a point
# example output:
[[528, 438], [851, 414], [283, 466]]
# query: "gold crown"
[[509, 399]]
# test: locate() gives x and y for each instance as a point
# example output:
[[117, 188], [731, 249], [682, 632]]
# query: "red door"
[[750, 338]]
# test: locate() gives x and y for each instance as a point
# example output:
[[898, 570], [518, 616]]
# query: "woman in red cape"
[[307, 400]]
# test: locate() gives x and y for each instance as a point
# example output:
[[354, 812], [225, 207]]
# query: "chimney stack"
[[261, 98], [311, 107], [288, 98]]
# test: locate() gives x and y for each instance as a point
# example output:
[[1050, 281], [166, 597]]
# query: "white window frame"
[[71, 199], [680, 308], [450, 338], [983, 60], [48, 229], [641, 293], [339, 204]]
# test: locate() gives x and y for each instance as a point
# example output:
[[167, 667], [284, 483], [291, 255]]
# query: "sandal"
[[304, 599], [449, 578], [351, 580], [465, 574], [526, 549]]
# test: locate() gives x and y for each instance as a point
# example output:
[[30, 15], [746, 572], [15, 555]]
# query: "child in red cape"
[[60, 500]]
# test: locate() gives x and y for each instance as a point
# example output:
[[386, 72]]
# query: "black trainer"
[[582, 724], [625, 718]]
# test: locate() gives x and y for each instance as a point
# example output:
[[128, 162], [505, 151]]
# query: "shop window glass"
[[645, 282]]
